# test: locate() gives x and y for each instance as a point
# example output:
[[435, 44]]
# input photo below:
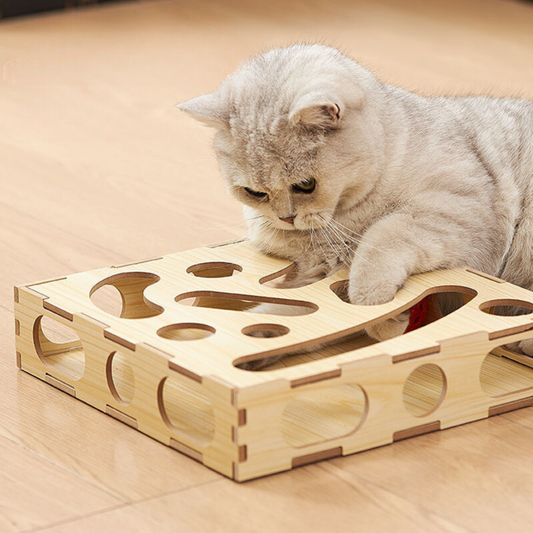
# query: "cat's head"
[[292, 132]]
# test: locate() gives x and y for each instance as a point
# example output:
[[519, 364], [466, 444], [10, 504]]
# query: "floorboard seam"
[[386, 489], [68, 471]]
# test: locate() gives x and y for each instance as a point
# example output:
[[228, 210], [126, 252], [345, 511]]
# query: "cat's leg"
[[390, 251], [519, 264]]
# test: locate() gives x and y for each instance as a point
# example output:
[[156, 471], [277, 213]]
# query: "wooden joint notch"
[[184, 372], [190, 452], [241, 417], [58, 311], [315, 457], [416, 354], [314, 379], [510, 406], [19, 360], [17, 327], [121, 417], [416, 431], [61, 385], [119, 340], [16, 294], [486, 276], [243, 453]]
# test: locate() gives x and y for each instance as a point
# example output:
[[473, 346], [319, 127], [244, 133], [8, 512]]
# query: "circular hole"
[[507, 307], [59, 347], [185, 332], [120, 378], [130, 302], [424, 390], [265, 330], [219, 269], [323, 414], [186, 410]]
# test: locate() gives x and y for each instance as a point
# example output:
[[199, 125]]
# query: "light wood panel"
[[97, 168], [180, 381]]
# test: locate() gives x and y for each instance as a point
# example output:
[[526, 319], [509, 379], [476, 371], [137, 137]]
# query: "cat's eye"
[[306, 186], [256, 194]]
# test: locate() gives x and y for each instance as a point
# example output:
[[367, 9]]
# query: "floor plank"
[[98, 168], [313, 499], [35, 492]]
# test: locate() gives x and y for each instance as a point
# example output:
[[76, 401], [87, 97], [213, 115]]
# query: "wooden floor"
[[97, 168]]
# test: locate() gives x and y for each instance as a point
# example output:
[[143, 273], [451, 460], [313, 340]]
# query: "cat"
[[335, 167]]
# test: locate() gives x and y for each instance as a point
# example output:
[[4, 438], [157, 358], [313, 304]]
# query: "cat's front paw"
[[376, 292], [526, 347], [393, 327]]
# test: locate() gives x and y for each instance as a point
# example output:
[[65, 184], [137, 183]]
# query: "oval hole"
[[186, 410], [505, 371], [131, 287], [266, 331], [244, 302], [213, 269], [59, 347], [440, 302], [120, 378], [323, 414], [424, 390], [507, 307], [185, 332]]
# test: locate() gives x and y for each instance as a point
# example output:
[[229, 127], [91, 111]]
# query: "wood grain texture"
[[98, 169], [171, 370]]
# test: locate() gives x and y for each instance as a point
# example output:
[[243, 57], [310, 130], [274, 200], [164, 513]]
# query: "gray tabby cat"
[[336, 167]]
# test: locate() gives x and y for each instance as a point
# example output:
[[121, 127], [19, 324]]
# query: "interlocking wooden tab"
[[160, 345]]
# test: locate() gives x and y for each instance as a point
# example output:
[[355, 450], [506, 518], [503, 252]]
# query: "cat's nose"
[[290, 220]]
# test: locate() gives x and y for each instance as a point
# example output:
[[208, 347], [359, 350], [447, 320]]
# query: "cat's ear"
[[207, 109], [317, 110]]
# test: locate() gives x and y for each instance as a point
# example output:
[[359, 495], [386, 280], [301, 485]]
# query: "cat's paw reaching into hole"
[[526, 347], [390, 328], [377, 293]]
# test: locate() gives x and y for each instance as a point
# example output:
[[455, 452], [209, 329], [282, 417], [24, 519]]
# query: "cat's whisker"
[[356, 240], [338, 247], [349, 248]]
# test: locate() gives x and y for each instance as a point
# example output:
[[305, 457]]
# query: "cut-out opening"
[[441, 302], [506, 307], [108, 299], [186, 409], [505, 371], [59, 347], [265, 331], [130, 286], [424, 390], [120, 378], [323, 414], [244, 302], [185, 332], [279, 279], [214, 269]]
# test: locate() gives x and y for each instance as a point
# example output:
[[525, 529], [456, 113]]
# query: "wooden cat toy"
[[167, 361]]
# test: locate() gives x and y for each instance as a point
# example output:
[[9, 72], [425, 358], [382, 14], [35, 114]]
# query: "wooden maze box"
[[158, 345]]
